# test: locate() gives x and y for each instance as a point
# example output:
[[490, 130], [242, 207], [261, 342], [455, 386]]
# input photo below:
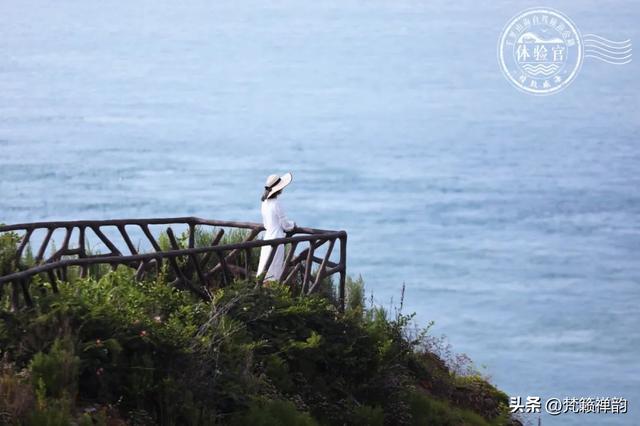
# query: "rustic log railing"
[[190, 264]]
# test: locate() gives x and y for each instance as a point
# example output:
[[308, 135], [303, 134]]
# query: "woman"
[[275, 223]]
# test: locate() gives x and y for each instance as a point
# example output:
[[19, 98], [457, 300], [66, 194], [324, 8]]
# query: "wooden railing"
[[310, 262]]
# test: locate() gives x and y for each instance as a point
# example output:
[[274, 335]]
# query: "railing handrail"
[[146, 221]]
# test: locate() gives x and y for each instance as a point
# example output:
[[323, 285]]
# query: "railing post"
[[307, 268], [192, 235], [53, 280], [15, 296], [343, 269], [24, 283], [84, 269], [287, 261]]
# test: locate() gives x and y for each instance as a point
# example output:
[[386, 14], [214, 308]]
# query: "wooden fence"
[[311, 259]]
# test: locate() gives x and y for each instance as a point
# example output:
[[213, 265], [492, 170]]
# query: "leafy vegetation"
[[109, 349], [8, 246]]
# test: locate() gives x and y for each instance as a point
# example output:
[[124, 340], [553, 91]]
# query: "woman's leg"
[[264, 256], [277, 265]]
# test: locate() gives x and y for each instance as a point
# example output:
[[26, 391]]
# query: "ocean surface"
[[513, 220]]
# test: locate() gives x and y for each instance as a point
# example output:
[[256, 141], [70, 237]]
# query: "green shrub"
[[355, 294], [8, 246], [428, 411], [49, 411], [56, 371], [365, 415], [273, 413]]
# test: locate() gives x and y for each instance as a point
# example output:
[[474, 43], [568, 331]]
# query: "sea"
[[512, 220]]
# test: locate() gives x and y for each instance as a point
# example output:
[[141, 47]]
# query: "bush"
[[144, 353], [57, 371], [355, 295], [8, 246], [368, 416], [17, 397], [273, 413], [428, 411], [49, 411]]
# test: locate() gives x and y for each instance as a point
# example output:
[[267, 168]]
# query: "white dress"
[[275, 224]]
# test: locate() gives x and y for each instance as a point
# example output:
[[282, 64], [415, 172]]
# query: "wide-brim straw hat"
[[277, 183]]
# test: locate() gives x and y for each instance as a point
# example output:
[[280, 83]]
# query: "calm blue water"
[[513, 220]]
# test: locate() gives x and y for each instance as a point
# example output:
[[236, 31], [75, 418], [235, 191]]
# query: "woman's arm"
[[285, 223]]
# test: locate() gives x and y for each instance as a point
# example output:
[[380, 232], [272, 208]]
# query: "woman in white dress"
[[276, 225]]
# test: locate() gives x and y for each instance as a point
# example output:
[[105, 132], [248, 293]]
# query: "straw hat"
[[276, 183]]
